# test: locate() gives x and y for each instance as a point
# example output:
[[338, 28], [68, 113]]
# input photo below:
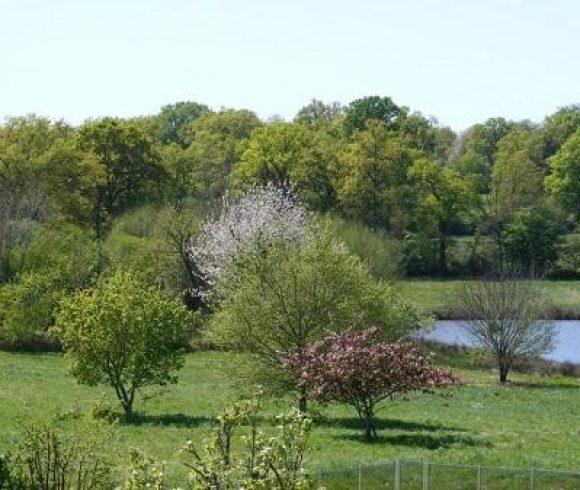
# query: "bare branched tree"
[[506, 316]]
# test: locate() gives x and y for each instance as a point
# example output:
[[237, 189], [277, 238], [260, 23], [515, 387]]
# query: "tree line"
[[511, 186]]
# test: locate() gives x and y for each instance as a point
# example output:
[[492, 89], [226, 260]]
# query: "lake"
[[567, 347]]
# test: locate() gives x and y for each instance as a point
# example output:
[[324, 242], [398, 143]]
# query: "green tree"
[[442, 199], [218, 141], [478, 148], [317, 112], [360, 111], [372, 182], [124, 334], [532, 238], [516, 179], [287, 153], [174, 118], [564, 181], [128, 168], [557, 128], [42, 176], [279, 298]]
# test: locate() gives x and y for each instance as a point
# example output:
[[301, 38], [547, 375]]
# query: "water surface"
[[567, 347]]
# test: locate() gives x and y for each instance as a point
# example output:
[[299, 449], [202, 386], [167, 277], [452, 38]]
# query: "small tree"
[[357, 369], [124, 334], [506, 317]]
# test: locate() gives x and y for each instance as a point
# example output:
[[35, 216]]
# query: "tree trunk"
[[503, 370], [366, 416], [442, 255], [303, 400]]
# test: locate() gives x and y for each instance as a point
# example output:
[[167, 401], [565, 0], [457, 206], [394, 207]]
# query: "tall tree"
[[173, 118], [287, 153], [218, 141], [129, 168], [564, 181], [442, 199], [372, 182], [317, 112], [557, 128], [359, 111], [478, 148]]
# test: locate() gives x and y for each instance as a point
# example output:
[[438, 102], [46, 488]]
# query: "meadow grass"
[[437, 296], [533, 423]]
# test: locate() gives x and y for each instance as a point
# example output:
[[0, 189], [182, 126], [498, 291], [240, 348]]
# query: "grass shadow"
[[426, 441], [384, 424], [544, 386], [173, 419]]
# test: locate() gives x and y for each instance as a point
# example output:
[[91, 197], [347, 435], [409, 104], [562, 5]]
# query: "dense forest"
[[407, 195]]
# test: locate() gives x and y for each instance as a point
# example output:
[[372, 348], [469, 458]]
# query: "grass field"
[[534, 423], [436, 296]]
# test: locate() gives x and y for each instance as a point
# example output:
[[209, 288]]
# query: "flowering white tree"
[[264, 213]]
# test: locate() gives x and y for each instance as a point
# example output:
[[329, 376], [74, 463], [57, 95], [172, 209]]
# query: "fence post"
[[425, 475], [478, 477], [532, 479], [397, 475], [359, 477]]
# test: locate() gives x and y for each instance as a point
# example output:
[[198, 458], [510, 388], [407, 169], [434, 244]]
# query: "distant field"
[[436, 296], [534, 424]]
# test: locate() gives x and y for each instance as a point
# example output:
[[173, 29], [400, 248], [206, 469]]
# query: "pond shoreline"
[[554, 313]]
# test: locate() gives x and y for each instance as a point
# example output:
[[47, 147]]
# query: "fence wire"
[[423, 475]]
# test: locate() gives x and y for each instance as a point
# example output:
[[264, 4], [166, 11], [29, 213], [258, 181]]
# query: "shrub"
[[357, 369], [381, 254], [266, 462], [26, 311], [49, 460], [123, 333]]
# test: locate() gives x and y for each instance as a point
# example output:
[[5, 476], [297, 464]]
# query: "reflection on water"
[[567, 347]]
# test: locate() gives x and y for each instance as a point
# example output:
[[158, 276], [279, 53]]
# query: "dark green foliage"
[[359, 111], [128, 168], [174, 118], [531, 240]]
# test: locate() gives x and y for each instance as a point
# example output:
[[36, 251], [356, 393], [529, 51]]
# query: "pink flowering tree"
[[357, 369]]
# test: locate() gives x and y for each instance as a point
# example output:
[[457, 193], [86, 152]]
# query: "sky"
[[461, 61]]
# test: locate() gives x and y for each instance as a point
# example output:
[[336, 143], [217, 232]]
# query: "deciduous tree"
[[358, 369]]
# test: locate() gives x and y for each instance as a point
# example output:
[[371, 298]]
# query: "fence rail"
[[423, 475]]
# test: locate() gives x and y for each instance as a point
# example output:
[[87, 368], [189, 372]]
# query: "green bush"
[[57, 262], [382, 255], [50, 460], [26, 311]]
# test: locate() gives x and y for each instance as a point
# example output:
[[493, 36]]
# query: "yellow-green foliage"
[[123, 333]]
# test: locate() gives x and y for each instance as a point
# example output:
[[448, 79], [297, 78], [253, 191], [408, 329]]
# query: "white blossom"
[[270, 212]]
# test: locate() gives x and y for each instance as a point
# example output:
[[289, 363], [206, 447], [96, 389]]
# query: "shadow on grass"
[[426, 441], [174, 419], [384, 424], [544, 386]]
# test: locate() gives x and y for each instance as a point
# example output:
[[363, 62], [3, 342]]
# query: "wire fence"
[[423, 475]]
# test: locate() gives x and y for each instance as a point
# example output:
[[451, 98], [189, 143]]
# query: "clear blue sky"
[[461, 61]]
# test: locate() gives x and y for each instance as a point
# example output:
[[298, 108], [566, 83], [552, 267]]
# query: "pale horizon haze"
[[459, 61]]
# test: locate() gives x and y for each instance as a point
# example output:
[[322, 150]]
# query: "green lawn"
[[436, 296], [533, 424]]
